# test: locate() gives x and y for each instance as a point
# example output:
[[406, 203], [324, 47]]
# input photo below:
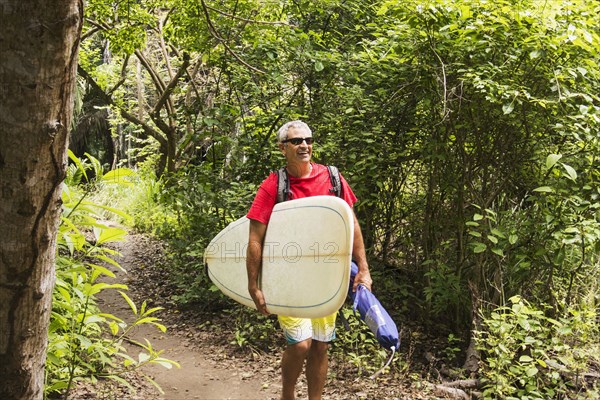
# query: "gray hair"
[[297, 124]]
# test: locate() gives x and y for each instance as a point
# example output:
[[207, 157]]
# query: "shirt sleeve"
[[264, 201]]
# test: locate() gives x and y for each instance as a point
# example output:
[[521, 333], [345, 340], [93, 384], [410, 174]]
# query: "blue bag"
[[375, 316], [372, 312]]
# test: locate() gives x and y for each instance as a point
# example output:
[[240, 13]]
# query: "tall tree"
[[38, 59]]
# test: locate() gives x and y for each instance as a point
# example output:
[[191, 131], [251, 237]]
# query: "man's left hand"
[[363, 278]]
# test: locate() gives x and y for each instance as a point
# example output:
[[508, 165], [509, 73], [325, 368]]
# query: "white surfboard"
[[306, 257]]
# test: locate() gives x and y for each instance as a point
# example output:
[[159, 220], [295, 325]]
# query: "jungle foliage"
[[467, 129], [85, 342]]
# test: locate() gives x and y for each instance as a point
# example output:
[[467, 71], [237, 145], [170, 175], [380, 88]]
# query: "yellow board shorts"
[[297, 330]]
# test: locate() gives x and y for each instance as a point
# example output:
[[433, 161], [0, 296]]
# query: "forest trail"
[[206, 371], [212, 368]]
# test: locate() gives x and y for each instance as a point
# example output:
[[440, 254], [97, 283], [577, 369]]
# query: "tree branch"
[[123, 76], [250, 20], [445, 111], [90, 33], [214, 33], [158, 82], [169, 88], [129, 117], [163, 47]]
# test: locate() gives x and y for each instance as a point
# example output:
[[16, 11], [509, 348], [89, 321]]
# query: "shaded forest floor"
[[213, 366]]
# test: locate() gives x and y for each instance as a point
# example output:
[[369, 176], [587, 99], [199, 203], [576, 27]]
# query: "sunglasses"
[[298, 140]]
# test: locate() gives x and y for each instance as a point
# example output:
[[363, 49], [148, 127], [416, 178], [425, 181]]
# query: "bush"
[[528, 355], [83, 342]]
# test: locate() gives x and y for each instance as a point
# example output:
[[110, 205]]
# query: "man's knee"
[[300, 349], [319, 347]]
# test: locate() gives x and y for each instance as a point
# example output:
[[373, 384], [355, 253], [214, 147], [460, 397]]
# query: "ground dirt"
[[211, 366]]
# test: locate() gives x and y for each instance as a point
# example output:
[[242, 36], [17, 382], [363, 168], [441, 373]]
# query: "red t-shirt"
[[317, 183]]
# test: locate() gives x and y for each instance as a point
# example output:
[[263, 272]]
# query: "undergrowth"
[[85, 343], [528, 355]]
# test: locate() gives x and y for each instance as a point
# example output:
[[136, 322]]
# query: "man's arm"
[[360, 257], [254, 264]]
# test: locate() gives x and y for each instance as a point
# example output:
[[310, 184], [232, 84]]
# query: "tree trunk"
[[38, 57]]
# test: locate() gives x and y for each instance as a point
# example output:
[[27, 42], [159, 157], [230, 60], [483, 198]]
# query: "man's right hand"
[[259, 300], [254, 264]]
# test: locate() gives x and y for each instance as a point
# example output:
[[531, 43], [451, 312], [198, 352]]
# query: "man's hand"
[[362, 277], [259, 300]]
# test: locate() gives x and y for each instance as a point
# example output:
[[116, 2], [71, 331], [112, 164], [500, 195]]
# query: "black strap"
[[336, 182], [283, 185]]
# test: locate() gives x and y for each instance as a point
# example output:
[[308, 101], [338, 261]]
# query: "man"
[[307, 339]]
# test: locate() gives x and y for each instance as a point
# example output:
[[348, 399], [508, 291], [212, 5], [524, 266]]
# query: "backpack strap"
[[336, 182], [283, 185]]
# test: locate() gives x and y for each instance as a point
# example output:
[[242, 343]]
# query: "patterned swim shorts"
[[297, 330]]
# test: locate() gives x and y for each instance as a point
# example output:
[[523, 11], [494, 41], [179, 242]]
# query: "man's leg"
[[316, 363], [291, 367], [316, 369]]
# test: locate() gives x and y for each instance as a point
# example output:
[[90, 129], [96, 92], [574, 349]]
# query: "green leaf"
[[168, 364], [94, 319], [118, 176], [110, 316], [477, 217], [130, 302], [114, 328], [78, 163], [98, 287], [544, 189], [508, 108], [512, 239], [465, 12], [571, 173], [58, 385], [84, 341], [552, 159], [524, 322], [143, 357], [479, 247], [498, 251], [112, 210], [515, 299], [111, 235], [535, 54], [498, 233], [542, 363], [319, 66], [146, 320], [382, 10], [102, 270], [531, 371], [151, 310], [108, 260]]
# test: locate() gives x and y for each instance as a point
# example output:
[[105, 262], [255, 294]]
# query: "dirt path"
[[206, 372], [198, 377]]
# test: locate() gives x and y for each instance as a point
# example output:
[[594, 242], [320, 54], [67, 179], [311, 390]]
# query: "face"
[[296, 154]]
